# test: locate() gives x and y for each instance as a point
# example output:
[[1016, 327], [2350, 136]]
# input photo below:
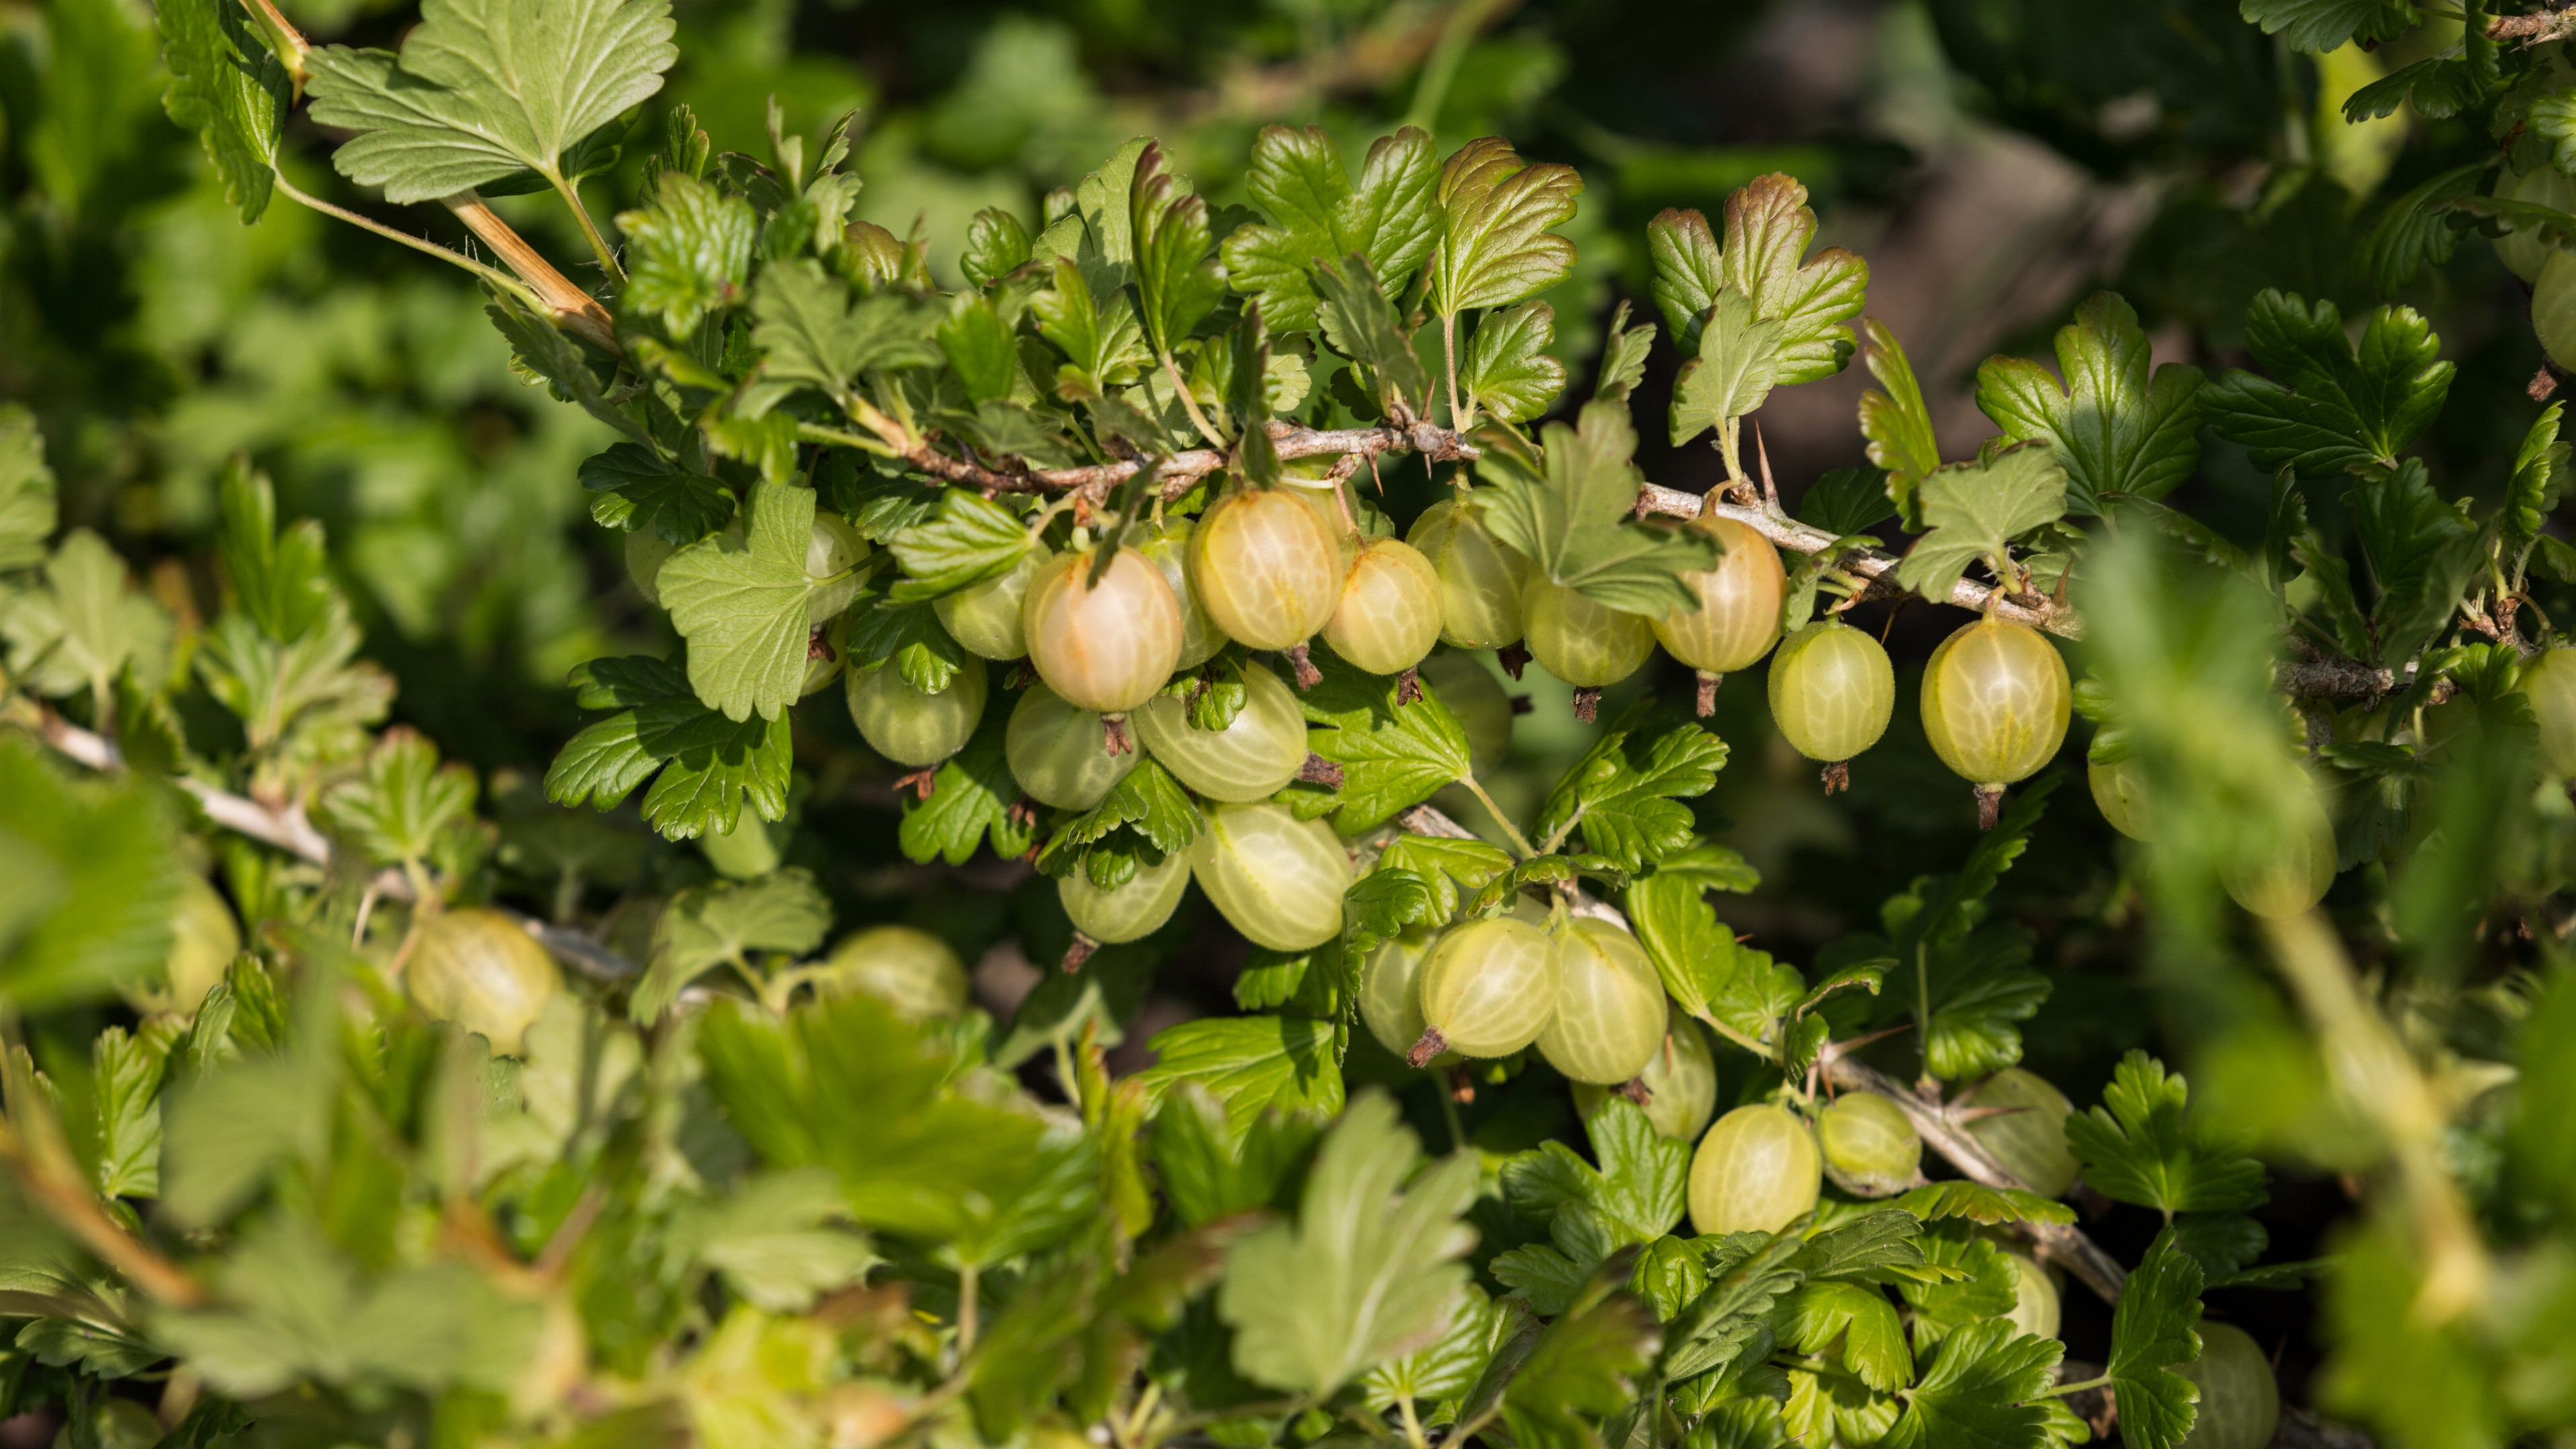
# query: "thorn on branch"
[[1408, 687], [1514, 659], [1587, 704], [922, 783], [1308, 676], [1320, 771]]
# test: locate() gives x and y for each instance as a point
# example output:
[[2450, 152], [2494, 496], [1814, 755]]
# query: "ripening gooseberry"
[[1104, 647], [1680, 1081], [905, 967], [1870, 1146], [1584, 643], [2035, 1308], [1389, 613], [1487, 990], [204, 939], [1610, 1010], [1167, 545], [910, 727], [1832, 691], [832, 549], [1738, 619], [1757, 1171], [2524, 249], [1250, 759], [1480, 575], [1059, 754], [2120, 793], [2030, 1143], [1391, 988], [2553, 306], [2293, 881], [1266, 566], [2549, 682], [748, 851], [477, 968], [2240, 1401], [1995, 702], [1277, 878], [1128, 912], [1477, 699], [985, 616]]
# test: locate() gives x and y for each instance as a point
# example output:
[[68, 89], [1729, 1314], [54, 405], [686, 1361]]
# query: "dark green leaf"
[[1972, 511], [743, 606], [1625, 794], [811, 330], [2137, 1148], [688, 254], [972, 797], [968, 540], [2317, 26], [997, 244], [636, 488], [485, 88], [2151, 1330], [1317, 215], [1978, 1389], [230, 88], [1361, 325], [2423, 554], [1393, 756], [1178, 281], [1575, 519], [88, 883], [708, 764], [1506, 368], [2118, 432], [2325, 406], [1251, 1064]]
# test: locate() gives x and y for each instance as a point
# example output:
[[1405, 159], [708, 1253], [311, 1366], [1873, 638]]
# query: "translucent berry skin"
[[1490, 986], [1480, 575], [1483, 709], [1869, 1145], [204, 939], [1060, 754], [985, 617], [1757, 1171], [1168, 546], [2524, 250], [2030, 1144], [1249, 759], [1132, 911], [1610, 1010], [2240, 1402], [1586, 644], [1105, 648], [1391, 988], [2292, 882], [1266, 567], [1995, 702], [2035, 1307], [1680, 1081], [2549, 682], [907, 968], [1832, 691], [1739, 603], [1277, 878], [1389, 614], [478, 969], [910, 727], [832, 549], [2553, 307], [2119, 792]]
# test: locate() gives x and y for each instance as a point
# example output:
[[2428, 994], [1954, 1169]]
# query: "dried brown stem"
[[1180, 472], [573, 308]]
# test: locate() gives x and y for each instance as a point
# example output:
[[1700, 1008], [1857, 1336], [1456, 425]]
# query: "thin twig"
[[288, 829], [1181, 471]]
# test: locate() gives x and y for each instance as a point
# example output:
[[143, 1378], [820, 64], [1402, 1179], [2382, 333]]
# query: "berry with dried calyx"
[[1738, 618], [1757, 1171]]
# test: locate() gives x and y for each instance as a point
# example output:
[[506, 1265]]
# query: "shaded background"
[[1995, 161]]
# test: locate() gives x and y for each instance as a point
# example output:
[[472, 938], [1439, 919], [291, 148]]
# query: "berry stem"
[[1431, 1045], [1519, 841]]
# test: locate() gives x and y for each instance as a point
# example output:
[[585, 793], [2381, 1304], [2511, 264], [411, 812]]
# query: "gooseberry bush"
[[372, 1145]]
